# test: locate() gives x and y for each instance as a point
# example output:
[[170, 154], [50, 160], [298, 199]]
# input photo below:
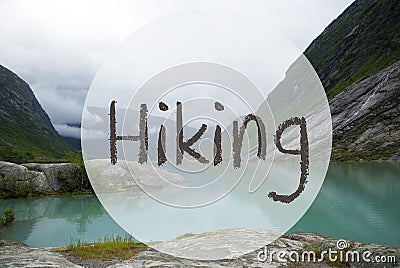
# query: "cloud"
[[57, 46], [68, 131], [64, 106]]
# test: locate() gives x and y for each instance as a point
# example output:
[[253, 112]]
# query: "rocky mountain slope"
[[25, 129], [357, 58], [366, 118], [363, 40]]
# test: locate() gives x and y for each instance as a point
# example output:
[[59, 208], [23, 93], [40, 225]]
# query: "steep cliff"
[[25, 129], [357, 58], [366, 118], [363, 40]]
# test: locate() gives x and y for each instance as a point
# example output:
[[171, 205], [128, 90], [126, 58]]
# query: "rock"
[[296, 242], [376, 251], [14, 254], [37, 177], [11, 169], [55, 175], [228, 243], [126, 175], [366, 118]]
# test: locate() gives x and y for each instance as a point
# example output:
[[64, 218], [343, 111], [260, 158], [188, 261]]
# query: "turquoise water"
[[358, 201]]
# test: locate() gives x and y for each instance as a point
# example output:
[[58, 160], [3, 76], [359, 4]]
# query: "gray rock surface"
[[296, 242], [366, 118], [119, 178], [13, 254], [228, 243], [40, 177]]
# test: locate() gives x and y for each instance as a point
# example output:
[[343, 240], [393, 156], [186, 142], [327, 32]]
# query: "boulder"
[[15, 254], [53, 175], [37, 177]]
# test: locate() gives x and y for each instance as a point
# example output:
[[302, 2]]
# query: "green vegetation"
[[81, 183], [26, 133], [29, 143], [11, 187], [336, 260], [371, 151], [122, 248], [8, 218], [373, 66], [362, 41]]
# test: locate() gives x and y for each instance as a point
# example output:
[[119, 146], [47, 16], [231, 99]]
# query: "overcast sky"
[[57, 46]]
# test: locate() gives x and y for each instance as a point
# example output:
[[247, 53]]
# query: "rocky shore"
[[13, 254]]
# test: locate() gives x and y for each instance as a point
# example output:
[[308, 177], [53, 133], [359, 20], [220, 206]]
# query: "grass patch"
[[110, 248]]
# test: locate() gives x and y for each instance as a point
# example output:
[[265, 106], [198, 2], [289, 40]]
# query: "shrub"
[[82, 182], [10, 187], [8, 218]]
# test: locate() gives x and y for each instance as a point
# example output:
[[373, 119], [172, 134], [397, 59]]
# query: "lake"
[[358, 201]]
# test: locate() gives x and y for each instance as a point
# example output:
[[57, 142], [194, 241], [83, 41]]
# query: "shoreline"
[[62, 192], [12, 253]]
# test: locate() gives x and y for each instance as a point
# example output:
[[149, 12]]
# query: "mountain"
[[26, 132], [363, 40], [74, 142], [357, 58]]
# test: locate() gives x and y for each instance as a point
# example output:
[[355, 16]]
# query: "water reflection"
[[53, 221]]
